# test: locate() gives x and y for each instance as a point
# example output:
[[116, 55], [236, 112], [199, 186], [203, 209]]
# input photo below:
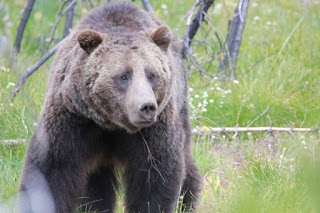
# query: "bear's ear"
[[162, 37], [89, 40]]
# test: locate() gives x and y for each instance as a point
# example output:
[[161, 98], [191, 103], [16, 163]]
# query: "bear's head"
[[126, 76]]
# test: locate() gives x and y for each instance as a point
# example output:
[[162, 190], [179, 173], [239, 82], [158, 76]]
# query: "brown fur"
[[117, 97]]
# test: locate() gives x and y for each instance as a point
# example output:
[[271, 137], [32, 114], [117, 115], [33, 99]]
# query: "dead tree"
[[193, 25], [147, 6], [62, 12], [22, 25], [69, 18], [230, 52]]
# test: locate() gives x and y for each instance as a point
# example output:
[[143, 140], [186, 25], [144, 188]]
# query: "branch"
[[22, 25], [209, 130], [147, 6], [234, 38], [61, 13], [259, 116], [13, 141], [69, 18], [193, 25], [32, 69]]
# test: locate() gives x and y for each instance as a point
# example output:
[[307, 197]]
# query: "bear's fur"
[[116, 98]]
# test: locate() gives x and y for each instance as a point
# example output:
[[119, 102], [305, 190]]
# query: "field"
[[277, 83]]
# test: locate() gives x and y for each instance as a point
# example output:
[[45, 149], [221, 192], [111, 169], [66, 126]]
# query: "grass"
[[278, 67]]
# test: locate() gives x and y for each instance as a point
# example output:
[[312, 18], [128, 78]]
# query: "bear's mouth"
[[143, 124]]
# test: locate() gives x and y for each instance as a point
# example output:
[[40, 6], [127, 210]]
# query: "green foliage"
[[278, 67]]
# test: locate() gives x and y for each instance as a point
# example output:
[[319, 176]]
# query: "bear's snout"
[[147, 111], [143, 113]]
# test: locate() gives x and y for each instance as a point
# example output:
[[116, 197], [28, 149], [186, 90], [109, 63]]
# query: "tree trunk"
[[69, 19], [193, 26], [22, 25], [147, 6], [230, 55]]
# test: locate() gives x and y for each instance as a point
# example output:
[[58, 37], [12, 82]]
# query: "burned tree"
[[230, 52], [23, 24]]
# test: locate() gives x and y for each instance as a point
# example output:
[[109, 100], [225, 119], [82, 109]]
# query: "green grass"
[[278, 67]]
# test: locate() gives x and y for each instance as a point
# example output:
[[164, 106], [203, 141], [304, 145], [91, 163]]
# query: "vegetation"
[[278, 67]]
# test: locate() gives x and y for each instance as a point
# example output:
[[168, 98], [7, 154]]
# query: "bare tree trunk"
[[23, 23], [147, 6], [192, 27], [69, 19], [230, 55]]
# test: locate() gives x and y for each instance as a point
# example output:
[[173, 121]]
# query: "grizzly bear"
[[116, 104]]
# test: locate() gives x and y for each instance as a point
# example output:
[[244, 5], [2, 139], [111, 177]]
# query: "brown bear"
[[116, 103]]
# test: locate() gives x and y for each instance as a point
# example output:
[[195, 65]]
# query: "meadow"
[[278, 70]]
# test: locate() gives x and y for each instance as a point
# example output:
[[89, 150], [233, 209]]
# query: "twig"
[[153, 161], [259, 116], [147, 6], [32, 69], [22, 25], [61, 13], [289, 37], [193, 25], [195, 63]]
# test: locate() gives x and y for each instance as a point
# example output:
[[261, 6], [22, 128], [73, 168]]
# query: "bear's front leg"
[[155, 171], [54, 173], [55, 190]]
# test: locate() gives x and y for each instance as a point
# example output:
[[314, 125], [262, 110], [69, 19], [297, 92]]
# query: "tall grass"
[[278, 69]]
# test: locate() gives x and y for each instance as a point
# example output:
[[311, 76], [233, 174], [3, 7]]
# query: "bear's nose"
[[148, 110]]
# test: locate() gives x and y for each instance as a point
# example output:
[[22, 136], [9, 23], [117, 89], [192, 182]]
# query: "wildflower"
[[164, 7], [38, 16], [205, 94], [235, 81], [205, 128], [10, 84]]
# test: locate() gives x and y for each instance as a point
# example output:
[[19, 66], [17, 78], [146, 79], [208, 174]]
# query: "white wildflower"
[[10, 84]]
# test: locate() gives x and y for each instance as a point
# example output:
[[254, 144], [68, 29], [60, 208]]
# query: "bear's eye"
[[124, 77]]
